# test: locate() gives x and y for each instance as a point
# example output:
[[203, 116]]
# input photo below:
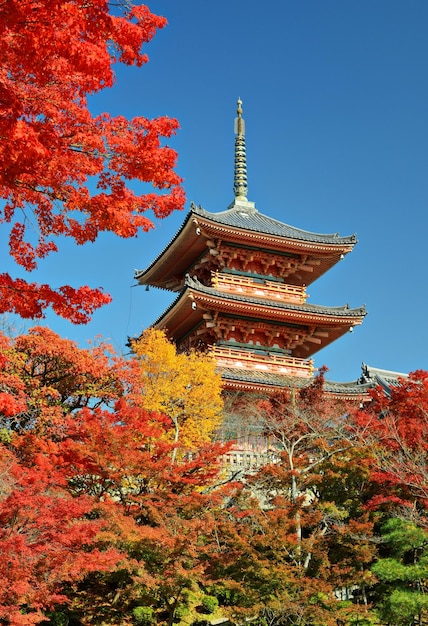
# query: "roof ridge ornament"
[[240, 185]]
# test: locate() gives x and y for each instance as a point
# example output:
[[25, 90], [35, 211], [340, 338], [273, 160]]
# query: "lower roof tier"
[[250, 380], [211, 317], [246, 380]]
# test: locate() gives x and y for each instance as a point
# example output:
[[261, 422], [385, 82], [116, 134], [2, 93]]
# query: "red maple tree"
[[64, 171], [395, 426], [97, 515], [47, 539]]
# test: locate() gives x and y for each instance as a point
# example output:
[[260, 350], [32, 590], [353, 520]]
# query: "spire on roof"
[[240, 179], [240, 186]]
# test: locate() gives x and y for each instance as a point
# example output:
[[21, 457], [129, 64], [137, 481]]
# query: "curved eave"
[[279, 313], [278, 243], [390, 377], [250, 220], [386, 379], [248, 380], [208, 297], [186, 313], [189, 243], [176, 258]]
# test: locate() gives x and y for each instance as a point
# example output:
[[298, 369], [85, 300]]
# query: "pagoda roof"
[[242, 215], [244, 225], [267, 382], [370, 378], [186, 311]]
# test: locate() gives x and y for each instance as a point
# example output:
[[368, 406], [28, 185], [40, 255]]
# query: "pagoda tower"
[[241, 279]]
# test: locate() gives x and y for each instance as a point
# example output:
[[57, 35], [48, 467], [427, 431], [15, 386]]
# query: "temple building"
[[241, 280]]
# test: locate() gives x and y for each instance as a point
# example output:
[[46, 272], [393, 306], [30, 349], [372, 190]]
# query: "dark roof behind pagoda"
[[385, 378]]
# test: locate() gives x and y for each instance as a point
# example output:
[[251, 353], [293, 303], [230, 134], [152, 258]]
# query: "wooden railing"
[[247, 459], [269, 289], [270, 362]]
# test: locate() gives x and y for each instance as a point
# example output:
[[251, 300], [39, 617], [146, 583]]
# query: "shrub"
[[181, 611], [210, 603], [143, 615]]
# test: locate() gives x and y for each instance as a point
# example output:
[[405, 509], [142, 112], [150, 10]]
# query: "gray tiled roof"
[[334, 311], [352, 387], [251, 219], [261, 378], [277, 380], [385, 378], [306, 308]]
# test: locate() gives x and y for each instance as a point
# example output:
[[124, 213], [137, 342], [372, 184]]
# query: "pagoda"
[[241, 279]]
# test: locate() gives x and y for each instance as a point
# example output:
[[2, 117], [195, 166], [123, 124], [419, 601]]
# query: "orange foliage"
[[44, 376], [54, 55], [90, 494], [45, 539]]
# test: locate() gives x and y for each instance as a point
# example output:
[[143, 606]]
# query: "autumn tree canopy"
[[115, 507], [66, 172], [299, 539], [96, 515], [177, 384], [396, 428]]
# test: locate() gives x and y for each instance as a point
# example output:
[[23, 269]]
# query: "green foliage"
[[227, 596], [404, 536], [59, 618], [210, 604], [404, 607], [403, 573], [392, 571], [369, 619], [181, 612], [190, 598], [143, 615], [5, 436]]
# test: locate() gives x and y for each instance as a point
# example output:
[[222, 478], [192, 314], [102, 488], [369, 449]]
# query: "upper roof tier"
[[245, 217], [242, 224]]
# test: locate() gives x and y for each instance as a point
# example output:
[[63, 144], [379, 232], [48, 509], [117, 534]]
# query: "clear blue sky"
[[336, 107]]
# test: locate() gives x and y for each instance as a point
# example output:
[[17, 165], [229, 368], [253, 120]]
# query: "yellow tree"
[[183, 386]]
